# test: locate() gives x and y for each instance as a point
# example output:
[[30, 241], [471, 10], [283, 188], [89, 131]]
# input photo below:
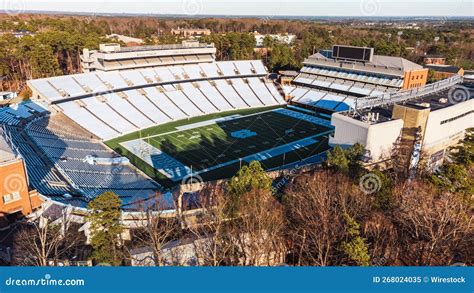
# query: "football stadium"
[[145, 130], [166, 116]]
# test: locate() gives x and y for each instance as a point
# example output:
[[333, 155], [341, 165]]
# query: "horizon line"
[[80, 13]]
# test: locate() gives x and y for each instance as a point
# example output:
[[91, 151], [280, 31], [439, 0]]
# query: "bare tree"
[[382, 238], [211, 230], [157, 229], [432, 224], [258, 232], [41, 241], [315, 205]]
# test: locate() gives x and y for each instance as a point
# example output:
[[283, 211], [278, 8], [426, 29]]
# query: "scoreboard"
[[363, 54]]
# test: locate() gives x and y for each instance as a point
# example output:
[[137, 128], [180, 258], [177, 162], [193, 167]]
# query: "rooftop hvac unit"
[[196, 85], [160, 89], [141, 92], [177, 77], [220, 73], [157, 78], [373, 117], [253, 70], [213, 83], [245, 80], [178, 87], [236, 71], [229, 81], [202, 74], [186, 76]]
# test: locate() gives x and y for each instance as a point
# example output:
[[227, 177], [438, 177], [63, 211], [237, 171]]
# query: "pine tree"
[[106, 228], [249, 178], [355, 247]]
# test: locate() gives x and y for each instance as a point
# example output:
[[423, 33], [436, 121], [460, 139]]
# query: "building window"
[[16, 195], [457, 117], [7, 198], [11, 197]]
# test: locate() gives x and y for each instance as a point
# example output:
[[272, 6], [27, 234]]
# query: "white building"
[[125, 39], [435, 121], [282, 38], [112, 57], [5, 96]]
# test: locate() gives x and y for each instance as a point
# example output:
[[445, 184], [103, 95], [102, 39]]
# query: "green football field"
[[217, 150]]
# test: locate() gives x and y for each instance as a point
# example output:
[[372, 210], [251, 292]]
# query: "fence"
[[404, 95]]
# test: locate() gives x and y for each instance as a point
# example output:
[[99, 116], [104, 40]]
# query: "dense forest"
[[55, 45], [337, 214]]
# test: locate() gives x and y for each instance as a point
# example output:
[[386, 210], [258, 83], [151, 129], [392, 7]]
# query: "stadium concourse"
[[141, 132]]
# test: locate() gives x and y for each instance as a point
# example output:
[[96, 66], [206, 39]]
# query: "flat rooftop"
[[435, 101], [380, 64], [192, 45]]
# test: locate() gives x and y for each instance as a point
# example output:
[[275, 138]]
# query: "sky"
[[372, 8]]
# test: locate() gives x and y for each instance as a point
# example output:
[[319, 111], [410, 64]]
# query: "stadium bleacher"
[[55, 155], [337, 90], [13, 114], [109, 104], [67, 153]]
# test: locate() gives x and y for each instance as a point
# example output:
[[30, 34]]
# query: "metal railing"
[[164, 47], [404, 95]]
